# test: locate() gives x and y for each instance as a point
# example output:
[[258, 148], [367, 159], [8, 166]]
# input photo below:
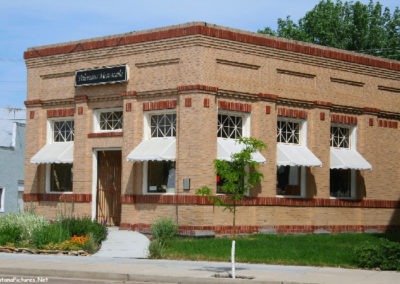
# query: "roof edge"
[[211, 30]]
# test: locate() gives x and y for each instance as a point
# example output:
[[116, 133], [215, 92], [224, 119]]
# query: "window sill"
[[59, 192], [344, 198], [292, 196]]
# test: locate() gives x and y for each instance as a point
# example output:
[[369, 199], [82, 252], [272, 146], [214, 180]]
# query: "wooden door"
[[109, 187]]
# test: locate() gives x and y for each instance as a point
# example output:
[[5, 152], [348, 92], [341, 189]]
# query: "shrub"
[[52, 233], [27, 222], [156, 249], [10, 233], [164, 230], [384, 255], [85, 226]]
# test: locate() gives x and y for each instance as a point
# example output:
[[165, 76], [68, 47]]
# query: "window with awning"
[[345, 160], [293, 156]]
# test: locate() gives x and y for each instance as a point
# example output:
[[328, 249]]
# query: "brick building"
[[125, 128]]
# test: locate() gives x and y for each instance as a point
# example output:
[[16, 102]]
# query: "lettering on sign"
[[104, 75]]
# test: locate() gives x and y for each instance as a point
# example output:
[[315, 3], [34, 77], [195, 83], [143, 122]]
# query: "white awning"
[[296, 155], [342, 158], [154, 149], [227, 147], [57, 153]]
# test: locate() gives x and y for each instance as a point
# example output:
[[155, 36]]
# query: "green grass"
[[319, 250]]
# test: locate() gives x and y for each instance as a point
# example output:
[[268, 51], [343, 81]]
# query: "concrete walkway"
[[124, 243]]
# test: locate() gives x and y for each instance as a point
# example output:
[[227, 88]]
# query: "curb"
[[126, 277]]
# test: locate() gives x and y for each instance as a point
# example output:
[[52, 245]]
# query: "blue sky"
[[29, 23]]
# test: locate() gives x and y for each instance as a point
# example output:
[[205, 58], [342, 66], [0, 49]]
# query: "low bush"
[[10, 234], [384, 255], [156, 249], [164, 230], [85, 226], [26, 222], [52, 233]]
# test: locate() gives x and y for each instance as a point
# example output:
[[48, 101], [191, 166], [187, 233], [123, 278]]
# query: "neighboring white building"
[[12, 153]]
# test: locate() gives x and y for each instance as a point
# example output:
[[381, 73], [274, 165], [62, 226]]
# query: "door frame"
[[95, 176]]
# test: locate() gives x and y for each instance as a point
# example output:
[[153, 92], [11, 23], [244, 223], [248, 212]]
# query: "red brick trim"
[[268, 96], [323, 103], [80, 110], [128, 93], [322, 116], [62, 112], [58, 197], [261, 201], [32, 114], [294, 113], [279, 229], [267, 109], [233, 106], [128, 107], [188, 102], [29, 103], [159, 105], [206, 103], [371, 109], [371, 122], [203, 29], [82, 98], [346, 119], [388, 123], [106, 134], [197, 88]]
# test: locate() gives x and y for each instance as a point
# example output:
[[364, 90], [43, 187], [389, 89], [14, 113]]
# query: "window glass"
[[230, 126], [160, 176], [63, 131], [163, 125], [340, 182], [340, 137], [60, 177], [288, 181], [288, 132], [110, 121]]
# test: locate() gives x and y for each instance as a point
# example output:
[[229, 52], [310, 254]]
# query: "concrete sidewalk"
[[169, 271], [124, 243]]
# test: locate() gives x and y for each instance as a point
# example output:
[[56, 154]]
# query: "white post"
[[233, 259]]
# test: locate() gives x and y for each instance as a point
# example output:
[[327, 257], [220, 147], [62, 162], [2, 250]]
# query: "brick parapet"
[[215, 32]]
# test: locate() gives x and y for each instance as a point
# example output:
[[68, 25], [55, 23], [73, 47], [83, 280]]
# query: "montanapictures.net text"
[[22, 279]]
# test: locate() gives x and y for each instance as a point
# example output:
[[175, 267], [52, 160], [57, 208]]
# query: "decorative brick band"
[[277, 229], [106, 134], [371, 109], [197, 88], [29, 103], [58, 197], [216, 32], [261, 201], [294, 113], [345, 119], [128, 93], [387, 123], [224, 105], [160, 105], [268, 96], [322, 103], [82, 98], [62, 112]]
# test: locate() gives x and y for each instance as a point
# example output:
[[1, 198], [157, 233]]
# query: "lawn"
[[320, 250]]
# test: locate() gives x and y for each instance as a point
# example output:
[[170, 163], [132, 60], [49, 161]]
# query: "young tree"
[[370, 28], [240, 176]]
